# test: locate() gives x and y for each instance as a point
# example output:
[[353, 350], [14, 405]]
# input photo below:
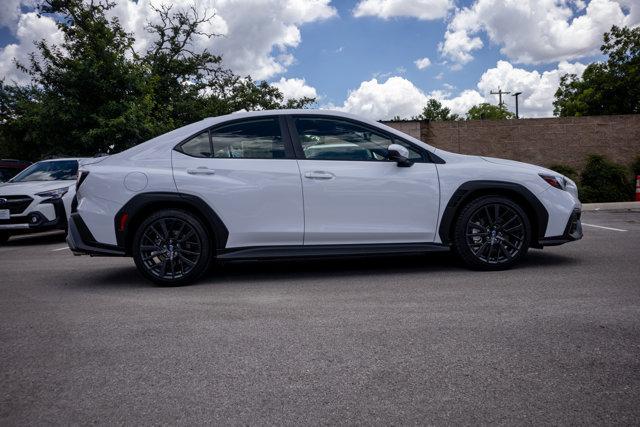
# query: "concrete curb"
[[618, 206]]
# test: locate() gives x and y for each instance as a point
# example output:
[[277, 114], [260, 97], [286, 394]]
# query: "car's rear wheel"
[[4, 237], [492, 233], [172, 248]]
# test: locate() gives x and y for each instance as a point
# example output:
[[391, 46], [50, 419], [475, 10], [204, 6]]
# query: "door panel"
[[353, 194], [260, 201], [369, 202], [242, 171]]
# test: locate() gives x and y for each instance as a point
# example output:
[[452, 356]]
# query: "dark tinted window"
[[334, 139], [252, 139], [49, 171], [198, 146], [7, 173]]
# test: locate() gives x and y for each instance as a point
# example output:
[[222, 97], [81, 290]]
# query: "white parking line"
[[606, 228], [59, 249]]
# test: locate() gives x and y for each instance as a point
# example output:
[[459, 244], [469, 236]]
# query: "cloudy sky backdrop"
[[378, 58]]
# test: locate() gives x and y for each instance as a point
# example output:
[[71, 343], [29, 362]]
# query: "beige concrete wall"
[[545, 142]]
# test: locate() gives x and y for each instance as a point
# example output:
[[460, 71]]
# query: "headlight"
[[53, 194], [558, 181]]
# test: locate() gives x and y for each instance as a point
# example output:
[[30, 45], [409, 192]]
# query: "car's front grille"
[[15, 204]]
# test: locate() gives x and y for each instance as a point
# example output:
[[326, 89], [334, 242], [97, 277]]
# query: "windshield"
[[49, 171]]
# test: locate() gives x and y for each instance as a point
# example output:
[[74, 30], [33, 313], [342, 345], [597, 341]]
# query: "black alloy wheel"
[[172, 248], [492, 233]]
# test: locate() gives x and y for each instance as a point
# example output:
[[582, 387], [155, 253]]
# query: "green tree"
[[434, 111], [611, 87], [486, 111], [95, 93]]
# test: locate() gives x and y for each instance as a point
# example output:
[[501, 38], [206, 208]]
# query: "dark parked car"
[[10, 168]]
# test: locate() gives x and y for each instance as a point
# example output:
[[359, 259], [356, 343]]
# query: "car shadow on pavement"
[[46, 238], [309, 269]]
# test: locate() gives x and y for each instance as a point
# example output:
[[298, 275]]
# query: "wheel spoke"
[[504, 249], [186, 260]]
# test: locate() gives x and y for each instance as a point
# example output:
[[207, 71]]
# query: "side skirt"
[[271, 252]]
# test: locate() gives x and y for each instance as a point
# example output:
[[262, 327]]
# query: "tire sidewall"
[[460, 242], [205, 240]]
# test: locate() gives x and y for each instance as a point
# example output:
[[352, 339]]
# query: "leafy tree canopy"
[[434, 111], [486, 111], [94, 93], [611, 87]]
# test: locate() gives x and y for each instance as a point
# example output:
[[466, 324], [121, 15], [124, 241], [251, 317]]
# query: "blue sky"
[[359, 55], [351, 50]]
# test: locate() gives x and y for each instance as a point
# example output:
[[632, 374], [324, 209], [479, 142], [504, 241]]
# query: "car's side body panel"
[[369, 202], [271, 202], [259, 200]]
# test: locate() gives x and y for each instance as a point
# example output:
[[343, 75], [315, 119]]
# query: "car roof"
[[161, 142]]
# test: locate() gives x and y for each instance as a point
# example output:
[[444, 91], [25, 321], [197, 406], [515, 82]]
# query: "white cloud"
[[256, 35], [536, 31], [400, 97], [29, 29], [421, 9], [10, 12], [295, 88], [538, 89], [395, 97], [461, 103], [422, 63]]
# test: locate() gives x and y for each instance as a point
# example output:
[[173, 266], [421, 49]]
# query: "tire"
[[492, 233], [4, 237], [172, 248]]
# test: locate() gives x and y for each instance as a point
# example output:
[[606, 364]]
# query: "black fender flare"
[[140, 203], [472, 189]]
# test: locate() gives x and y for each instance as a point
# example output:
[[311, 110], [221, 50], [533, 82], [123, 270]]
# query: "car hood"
[[30, 188], [518, 165]]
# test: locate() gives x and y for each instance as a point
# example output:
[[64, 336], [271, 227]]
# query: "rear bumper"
[[36, 221], [82, 242], [572, 232]]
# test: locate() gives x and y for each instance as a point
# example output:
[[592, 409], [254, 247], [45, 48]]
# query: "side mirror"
[[399, 154]]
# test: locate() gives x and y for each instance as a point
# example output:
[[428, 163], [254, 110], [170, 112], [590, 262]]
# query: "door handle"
[[319, 175], [201, 170]]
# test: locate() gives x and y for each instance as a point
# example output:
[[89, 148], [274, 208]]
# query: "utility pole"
[[516, 95], [500, 92]]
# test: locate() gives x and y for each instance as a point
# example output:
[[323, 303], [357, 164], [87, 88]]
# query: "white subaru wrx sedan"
[[290, 183]]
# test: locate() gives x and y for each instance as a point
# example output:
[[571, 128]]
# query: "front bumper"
[[572, 232], [82, 242], [36, 221]]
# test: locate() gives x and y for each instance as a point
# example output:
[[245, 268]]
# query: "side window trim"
[[289, 146], [426, 158]]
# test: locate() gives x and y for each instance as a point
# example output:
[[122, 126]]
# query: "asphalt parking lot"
[[392, 340]]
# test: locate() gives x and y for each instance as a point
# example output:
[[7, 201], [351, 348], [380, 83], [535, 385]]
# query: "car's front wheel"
[[172, 248], [4, 237], [492, 233]]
